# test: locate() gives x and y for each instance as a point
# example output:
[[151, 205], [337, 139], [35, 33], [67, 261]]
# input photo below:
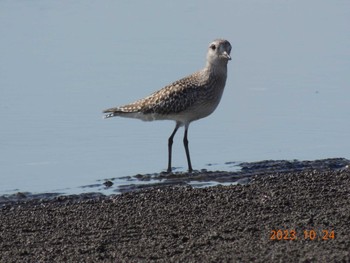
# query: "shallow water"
[[62, 63]]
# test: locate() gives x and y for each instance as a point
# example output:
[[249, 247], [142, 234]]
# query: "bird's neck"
[[217, 68]]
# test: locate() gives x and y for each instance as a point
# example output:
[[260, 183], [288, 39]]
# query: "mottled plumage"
[[186, 100]]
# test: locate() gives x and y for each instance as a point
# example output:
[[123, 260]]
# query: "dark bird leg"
[[187, 150], [170, 145]]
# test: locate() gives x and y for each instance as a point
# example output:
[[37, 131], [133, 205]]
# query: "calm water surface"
[[62, 63]]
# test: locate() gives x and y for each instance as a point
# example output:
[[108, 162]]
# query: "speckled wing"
[[174, 98]]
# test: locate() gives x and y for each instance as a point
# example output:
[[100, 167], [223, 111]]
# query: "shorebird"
[[188, 99]]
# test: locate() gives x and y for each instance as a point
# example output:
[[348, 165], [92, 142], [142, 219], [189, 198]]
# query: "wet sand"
[[308, 210]]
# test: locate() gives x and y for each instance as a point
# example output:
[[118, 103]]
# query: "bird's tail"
[[111, 112], [121, 112], [109, 115]]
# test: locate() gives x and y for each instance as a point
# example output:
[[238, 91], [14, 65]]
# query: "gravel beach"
[[300, 216]]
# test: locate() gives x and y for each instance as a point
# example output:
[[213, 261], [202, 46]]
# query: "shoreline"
[[241, 174], [181, 223]]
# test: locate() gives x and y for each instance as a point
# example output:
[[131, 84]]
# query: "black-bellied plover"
[[186, 100]]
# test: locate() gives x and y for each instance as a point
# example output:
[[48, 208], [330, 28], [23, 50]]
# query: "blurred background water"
[[63, 62]]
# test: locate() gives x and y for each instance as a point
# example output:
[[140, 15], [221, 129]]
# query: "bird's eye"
[[212, 46]]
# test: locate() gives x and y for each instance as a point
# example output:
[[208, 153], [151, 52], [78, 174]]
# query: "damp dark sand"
[[184, 224]]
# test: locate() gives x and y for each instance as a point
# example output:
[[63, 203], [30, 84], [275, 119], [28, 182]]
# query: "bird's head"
[[219, 52]]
